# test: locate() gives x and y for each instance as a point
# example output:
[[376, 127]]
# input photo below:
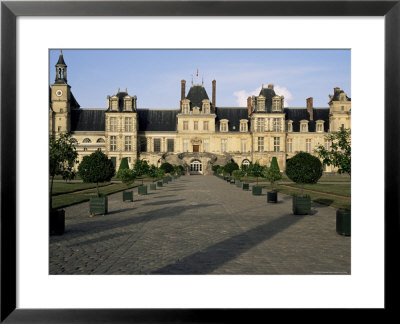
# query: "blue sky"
[[154, 76]]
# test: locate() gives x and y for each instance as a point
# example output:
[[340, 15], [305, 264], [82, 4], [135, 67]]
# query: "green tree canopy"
[[127, 176], [255, 170], [62, 156], [167, 167], [230, 167], [339, 152], [123, 165], [273, 173], [141, 167], [95, 168]]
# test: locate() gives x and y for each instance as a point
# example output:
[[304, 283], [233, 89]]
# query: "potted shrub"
[[95, 168], [339, 156], [273, 174], [237, 174], [256, 170], [128, 177], [62, 158], [123, 165], [303, 168]]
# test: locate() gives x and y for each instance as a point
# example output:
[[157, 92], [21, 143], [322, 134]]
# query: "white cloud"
[[242, 95]]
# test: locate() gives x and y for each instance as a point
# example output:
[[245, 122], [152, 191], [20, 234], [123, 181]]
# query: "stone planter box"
[[98, 205], [127, 196], [343, 222], [301, 205], [159, 183], [238, 184], [246, 186], [153, 186], [165, 180], [57, 221], [272, 196], [142, 190], [257, 191]]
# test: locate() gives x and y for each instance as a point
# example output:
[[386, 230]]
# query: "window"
[[243, 126], [128, 124], [73, 140], [205, 125], [290, 127], [308, 145], [320, 128], [85, 149], [143, 144], [327, 144], [260, 143], [223, 126], [100, 140], [243, 146], [206, 145], [185, 125], [86, 140], [157, 145], [113, 143], [260, 124], [290, 145], [303, 127], [206, 108], [276, 124], [195, 125], [246, 162], [185, 108], [277, 144], [128, 143], [113, 124], [170, 145], [224, 142], [276, 106], [185, 145]]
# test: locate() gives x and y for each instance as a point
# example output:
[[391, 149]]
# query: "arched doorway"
[[196, 167]]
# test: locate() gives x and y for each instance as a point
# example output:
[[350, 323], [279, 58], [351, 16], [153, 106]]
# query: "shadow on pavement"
[[163, 202]]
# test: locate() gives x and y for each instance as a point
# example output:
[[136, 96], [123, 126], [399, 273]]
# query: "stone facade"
[[199, 133]]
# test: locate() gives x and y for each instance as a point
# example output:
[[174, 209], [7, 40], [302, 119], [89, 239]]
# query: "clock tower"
[[60, 100]]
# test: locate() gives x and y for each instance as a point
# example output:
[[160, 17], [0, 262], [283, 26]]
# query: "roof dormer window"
[[223, 127], [243, 125], [304, 126], [320, 126], [290, 126], [276, 103]]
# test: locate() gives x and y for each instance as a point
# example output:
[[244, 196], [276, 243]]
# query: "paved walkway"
[[200, 225]]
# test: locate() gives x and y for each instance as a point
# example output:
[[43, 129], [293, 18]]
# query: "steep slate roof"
[[162, 120], [298, 114], [88, 120], [196, 94], [233, 114], [337, 94]]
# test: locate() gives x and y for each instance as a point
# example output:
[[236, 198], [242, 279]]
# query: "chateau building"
[[199, 133]]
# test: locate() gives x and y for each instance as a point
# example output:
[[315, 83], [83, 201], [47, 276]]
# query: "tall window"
[[113, 143], [128, 143], [260, 143], [206, 146], [143, 144], [276, 124], [224, 143], [195, 125], [185, 108], [308, 145], [157, 145], [243, 126], [185, 125], [276, 105], [113, 124], [290, 145], [170, 145], [260, 124], [185, 145], [205, 125], [128, 124], [277, 144], [243, 146]]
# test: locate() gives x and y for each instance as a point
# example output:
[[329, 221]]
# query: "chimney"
[[310, 107], [183, 89], [271, 86], [335, 90], [249, 106], [214, 86]]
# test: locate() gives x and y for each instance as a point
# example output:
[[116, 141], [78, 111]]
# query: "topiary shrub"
[[304, 168], [123, 166], [95, 168], [273, 173], [230, 167]]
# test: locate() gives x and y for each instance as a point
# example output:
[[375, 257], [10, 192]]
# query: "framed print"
[[35, 33]]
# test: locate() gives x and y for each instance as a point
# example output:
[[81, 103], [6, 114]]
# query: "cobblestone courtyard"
[[199, 225]]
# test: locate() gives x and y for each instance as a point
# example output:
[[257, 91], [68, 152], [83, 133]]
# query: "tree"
[[339, 153], [155, 172], [304, 168], [230, 167], [237, 174], [273, 173], [215, 167], [95, 168], [141, 167], [124, 165], [255, 170], [127, 176], [167, 167], [63, 156]]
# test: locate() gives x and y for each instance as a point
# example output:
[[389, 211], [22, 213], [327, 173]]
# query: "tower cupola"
[[61, 70]]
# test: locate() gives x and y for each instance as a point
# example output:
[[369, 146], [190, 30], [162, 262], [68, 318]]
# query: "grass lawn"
[[66, 187], [324, 196], [333, 178], [67, 199]]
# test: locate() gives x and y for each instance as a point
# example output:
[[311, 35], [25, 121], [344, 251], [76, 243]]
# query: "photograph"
[[200, 161]]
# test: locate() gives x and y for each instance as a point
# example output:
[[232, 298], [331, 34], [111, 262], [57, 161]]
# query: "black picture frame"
[[10, 10]]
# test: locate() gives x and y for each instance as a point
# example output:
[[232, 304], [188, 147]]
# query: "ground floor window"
[[170, 145], [143, 145], [246, 162], [206, 145], [157, 145], [128, 143], [196, 166]]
